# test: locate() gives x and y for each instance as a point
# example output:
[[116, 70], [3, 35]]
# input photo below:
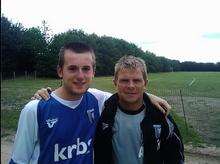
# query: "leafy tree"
[[34, 45], [11, 43], [36, 49]]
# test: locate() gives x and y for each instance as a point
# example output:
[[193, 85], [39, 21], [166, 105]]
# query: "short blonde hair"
[[130, 62]]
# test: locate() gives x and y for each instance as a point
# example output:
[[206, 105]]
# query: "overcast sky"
[[185, 30]]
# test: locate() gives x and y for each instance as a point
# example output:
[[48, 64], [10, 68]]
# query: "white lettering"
[[80, 147], [70, 149], [141, 152], [58, 154]]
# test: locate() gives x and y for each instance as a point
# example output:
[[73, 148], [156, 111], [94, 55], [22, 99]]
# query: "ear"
[[93, 74], [146, 82], [60, 72], [114, 82]]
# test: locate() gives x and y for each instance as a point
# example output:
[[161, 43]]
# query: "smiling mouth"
[[79, 83]]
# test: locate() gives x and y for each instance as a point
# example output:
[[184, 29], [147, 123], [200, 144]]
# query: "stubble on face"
[[130, 86], [77, 74]]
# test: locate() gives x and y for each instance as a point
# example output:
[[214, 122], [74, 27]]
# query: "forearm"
[[160, 103]]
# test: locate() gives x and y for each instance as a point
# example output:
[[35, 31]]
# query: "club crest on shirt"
[[104, 126], [51, 122], [157, 129], [91, 115]]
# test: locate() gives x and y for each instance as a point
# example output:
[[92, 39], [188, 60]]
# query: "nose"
[[131, 84], [80, 74]]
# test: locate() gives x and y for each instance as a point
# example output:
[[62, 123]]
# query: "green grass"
[[16, 93], [206, 84], [9, 119], [188, 133]]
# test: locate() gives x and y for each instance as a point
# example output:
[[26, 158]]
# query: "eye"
[[137, 80], [124, 81], [73, 68], [86, 68]]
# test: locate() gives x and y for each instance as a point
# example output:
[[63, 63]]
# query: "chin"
[[130, 100], [80, 91]]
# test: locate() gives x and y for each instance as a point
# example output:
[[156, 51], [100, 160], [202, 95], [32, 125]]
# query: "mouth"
[[131, 93], [79, 83]]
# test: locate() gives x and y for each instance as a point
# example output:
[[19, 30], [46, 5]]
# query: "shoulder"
[[101, 97], [28, 114], [99, 94], [32, 103], [30, 107]]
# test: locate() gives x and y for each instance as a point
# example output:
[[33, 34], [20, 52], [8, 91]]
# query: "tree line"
[[31, 49]]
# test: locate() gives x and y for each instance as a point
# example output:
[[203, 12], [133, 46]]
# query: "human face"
[[130, 86], [77, 73]]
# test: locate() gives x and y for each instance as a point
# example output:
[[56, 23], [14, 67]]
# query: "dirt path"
[[6, 147], [191, 158], [201, 159]]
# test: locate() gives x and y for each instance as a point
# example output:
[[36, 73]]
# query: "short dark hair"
[[76, 47]]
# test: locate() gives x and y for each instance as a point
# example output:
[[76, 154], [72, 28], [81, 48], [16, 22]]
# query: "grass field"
[[206, 84], [200, 91]]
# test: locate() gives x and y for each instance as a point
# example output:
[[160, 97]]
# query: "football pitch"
[[195, 95]]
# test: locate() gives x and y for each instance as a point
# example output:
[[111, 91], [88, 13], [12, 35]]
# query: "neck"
[[131, 106], [64, 94]]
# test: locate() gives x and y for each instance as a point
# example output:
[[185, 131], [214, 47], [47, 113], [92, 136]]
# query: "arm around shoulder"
[[160, 103]]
